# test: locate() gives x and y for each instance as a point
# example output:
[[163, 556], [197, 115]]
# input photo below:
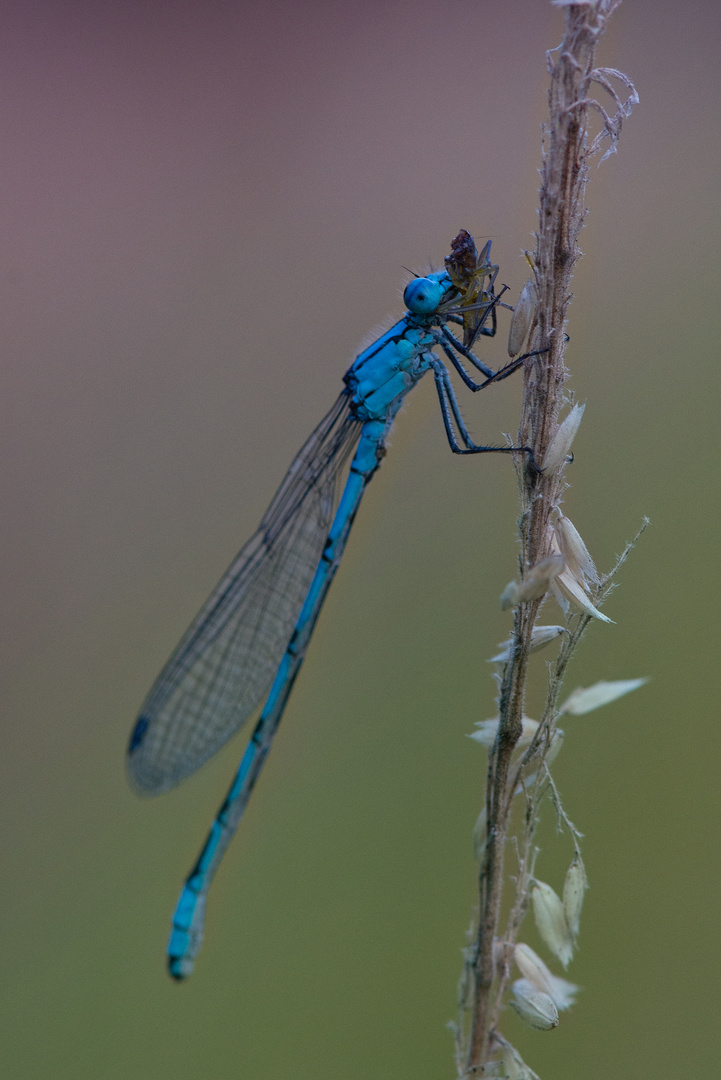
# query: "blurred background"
[[205, 209]]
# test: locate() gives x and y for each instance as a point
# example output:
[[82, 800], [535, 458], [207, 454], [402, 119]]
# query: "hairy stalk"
[[567, 147]]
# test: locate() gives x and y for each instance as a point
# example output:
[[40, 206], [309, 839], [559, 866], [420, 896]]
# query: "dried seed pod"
[[571, 545], [574, 888], [551, 922], [560, 598], [514, 1066], [572, 590], [533, 968], [539, 578], [561, 991], [583, 701], [509, 596], [533, 1006], [560, 444], [540, 636], [487, 730], [522, 318]]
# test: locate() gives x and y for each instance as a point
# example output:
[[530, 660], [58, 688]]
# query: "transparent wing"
[[226, 661]]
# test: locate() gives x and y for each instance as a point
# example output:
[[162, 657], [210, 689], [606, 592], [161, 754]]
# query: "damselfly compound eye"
[[422, 296]]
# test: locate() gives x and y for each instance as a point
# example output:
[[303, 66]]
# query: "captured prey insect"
[[251, 636]]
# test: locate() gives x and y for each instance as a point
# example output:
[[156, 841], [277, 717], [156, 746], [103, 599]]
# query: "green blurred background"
[[206, 206]]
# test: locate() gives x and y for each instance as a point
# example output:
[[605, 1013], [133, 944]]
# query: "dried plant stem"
[[567, 148]]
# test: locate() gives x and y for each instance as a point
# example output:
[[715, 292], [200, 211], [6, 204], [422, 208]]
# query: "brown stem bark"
[[561, 215]]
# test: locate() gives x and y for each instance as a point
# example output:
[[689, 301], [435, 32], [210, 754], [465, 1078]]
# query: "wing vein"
[[227, 658]]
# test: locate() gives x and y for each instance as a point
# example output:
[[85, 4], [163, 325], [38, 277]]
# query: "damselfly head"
[[423, 295]]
